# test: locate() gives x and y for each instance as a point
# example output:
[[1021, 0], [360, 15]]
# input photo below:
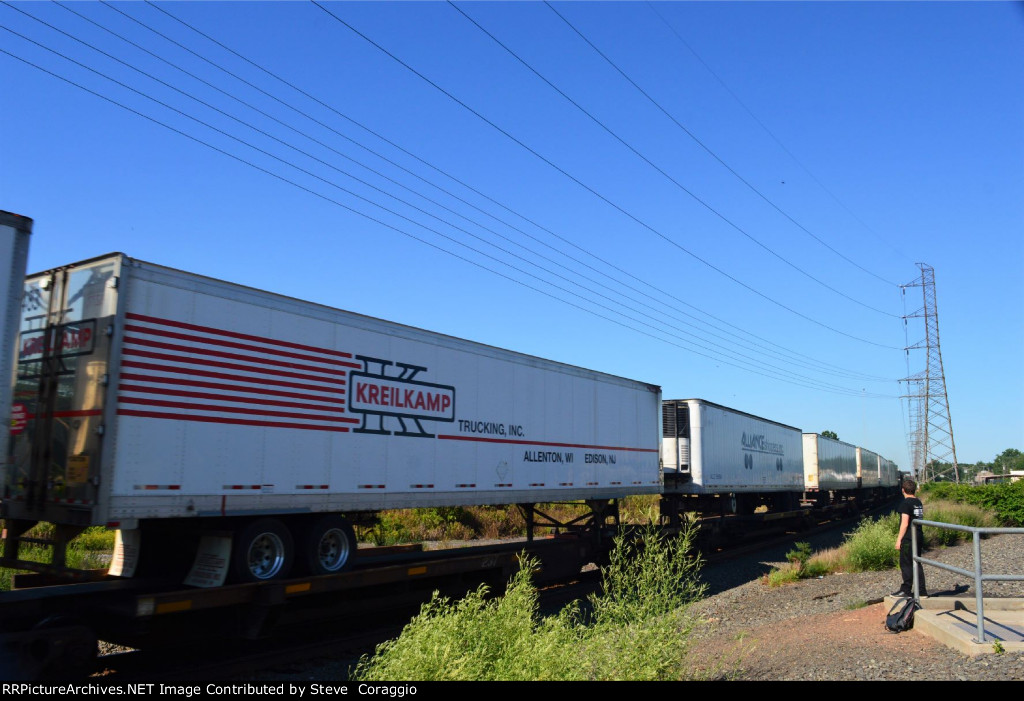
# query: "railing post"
[[979, 599], [914, 563]]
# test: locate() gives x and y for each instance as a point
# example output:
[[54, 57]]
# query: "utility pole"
[[931, 426]]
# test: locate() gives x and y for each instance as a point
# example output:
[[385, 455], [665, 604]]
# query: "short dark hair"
[[909, 486]]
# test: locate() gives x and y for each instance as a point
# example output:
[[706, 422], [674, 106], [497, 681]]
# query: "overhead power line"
[[781, 145], [383, 223], [720, 348], [744, 336], [714, 155], [661, 171], [736, 356], [597, 194]]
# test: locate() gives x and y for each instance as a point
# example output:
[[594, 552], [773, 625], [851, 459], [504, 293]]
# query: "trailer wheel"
[[328, 545], [261, 550]]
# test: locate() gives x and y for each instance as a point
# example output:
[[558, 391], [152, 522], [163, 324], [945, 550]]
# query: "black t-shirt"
[[912, 507]]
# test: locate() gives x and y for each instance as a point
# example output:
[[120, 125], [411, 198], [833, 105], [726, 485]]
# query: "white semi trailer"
[[174, 406], [719, 459], [829, 464]]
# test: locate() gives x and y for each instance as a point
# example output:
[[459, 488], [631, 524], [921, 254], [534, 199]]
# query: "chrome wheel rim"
[[266, 555], [333, 549]]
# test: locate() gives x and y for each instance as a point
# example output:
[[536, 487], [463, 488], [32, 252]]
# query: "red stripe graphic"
[[235, 388], [223, 397], [196, 350], [197, 374], [550, 445], [231, 344], [224, 420], [234, 334], [235, 410], [229, 366], [224, 376]]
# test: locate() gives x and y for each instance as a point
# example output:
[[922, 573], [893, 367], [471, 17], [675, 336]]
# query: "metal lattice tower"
[[931, 440]]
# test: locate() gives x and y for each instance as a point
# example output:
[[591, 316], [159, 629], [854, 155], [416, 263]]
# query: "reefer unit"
[[868, 468], [153, 393], [828, 464], [716, 449]]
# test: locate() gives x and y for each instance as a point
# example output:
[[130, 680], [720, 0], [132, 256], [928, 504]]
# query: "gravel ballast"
[[832, 628]]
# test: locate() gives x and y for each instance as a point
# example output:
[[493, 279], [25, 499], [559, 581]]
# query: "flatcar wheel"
[[261, 550], [59, 648], [328, 545]]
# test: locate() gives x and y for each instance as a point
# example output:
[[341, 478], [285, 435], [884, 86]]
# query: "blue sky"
[[797, 161]]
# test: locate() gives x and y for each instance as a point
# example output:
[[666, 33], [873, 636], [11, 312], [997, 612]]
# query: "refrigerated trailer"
[[729, 460], [829, 464], [171, 405], [868, 469]]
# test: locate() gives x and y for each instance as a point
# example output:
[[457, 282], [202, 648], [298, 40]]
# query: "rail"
[[976, 574]]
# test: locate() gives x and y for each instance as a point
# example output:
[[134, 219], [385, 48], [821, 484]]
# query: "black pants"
[[907, 567]]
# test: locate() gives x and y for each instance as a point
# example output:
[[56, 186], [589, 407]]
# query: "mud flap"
[[126, 553], [210, 568]]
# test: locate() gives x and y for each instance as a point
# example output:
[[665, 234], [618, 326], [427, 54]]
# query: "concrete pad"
[[953, 621]]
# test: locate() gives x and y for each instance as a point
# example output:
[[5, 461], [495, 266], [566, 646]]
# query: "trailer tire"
[[327, 545], [261, 550]]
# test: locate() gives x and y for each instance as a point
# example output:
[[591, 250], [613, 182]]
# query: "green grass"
[[90, 550], [871, 546], [486, 522], [1005, 501], [636, 628], [953, 512], [779, 576]]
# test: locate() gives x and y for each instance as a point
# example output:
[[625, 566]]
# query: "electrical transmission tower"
[[931, 439]]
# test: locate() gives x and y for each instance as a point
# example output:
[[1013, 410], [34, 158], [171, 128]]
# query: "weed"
[[799, 557], [637, 628], [787, 574], [855, 604], [870, 546], [1006, 501], [952, 512], [90, 550], [997, 647]]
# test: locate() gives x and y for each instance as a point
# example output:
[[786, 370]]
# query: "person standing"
[[910, 508]]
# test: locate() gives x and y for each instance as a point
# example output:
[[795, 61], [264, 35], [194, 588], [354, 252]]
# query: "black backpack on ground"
[[901, 615]]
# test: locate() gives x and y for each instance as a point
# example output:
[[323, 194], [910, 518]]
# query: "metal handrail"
[[977, 574]]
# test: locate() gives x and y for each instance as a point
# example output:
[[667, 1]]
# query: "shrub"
[[952, 512], [828, 561], [799, 557], [636, 630], [787, 574], [870, 546], [1006, 500]]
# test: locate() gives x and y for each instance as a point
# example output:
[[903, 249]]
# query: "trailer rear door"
[[59, 392]]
